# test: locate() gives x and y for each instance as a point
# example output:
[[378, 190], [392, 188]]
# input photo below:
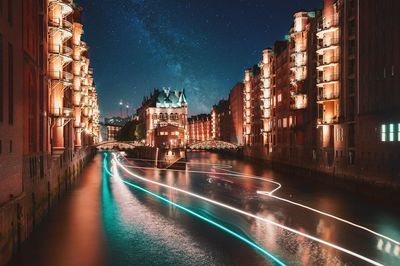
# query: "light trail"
[[352, 253], [223, 228], [270, 194]]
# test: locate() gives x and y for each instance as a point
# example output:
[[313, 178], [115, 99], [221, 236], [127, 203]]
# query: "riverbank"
[[42, 191]]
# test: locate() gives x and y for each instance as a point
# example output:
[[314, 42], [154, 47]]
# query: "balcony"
[[63, 77], [328, 44], [83, 45], [61, 50], [328, 97], [331, 79], [327, 121], [327, 26], [294, 64], [61, 112], [66, 6], [63, 26], [328, 62]]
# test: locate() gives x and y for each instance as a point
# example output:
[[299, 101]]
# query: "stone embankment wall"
[[46, 179]]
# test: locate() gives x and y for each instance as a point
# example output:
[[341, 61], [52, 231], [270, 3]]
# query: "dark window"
[[11, 146], [1, 78], [1, 146], [10, 85], [10, 12]]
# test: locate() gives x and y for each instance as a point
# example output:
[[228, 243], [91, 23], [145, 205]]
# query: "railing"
[[301, 63], [61, 50], [70, 2], [56, 23], [328, 96], [328, 43], [61, 112], [62, 76], [327, 121], [334, 77], [328, 24], [329, 60], [84, 45]]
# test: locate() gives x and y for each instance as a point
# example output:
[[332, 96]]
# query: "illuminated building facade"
[[49, 111], [315, 102], [236, 108], [221, 121], [302, 120], [281, 100], [199, 127], [166, 119], [252, 112]]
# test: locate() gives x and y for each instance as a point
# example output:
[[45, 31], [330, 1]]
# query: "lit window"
[[398, 132], [391, 132], [279, 97], [383, 133], [285, 122]]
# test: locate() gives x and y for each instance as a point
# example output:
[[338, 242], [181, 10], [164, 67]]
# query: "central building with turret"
[[166, 119]]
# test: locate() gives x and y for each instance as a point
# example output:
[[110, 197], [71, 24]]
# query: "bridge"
[[213, 145], [109, 145]]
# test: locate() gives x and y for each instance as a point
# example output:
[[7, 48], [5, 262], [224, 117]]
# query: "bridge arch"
[[108, 145], [213, 145]]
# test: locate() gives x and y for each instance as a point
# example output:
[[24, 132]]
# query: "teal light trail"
[[223, 228]]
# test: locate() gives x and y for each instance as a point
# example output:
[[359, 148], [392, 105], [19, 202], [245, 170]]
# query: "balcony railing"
[[56, 23], [65, 112], [295, 63], [328, 96], [62, 76], [328, 121], [60, 50], [328, 43], [322, 26], [328, 61], [326, 79], [66, 4]]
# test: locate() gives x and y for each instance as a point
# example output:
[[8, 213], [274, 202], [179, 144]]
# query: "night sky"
[[202, 46]]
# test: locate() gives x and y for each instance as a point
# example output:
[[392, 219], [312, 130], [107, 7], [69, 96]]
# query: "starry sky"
[[203, 46]]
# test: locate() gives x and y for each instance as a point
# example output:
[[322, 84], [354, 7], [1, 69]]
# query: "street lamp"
[[120, 106], [127, 110]]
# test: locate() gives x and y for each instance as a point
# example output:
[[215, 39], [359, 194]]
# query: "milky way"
[[202, 46]]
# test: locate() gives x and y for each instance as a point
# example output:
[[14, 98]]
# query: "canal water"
[[112, 218]]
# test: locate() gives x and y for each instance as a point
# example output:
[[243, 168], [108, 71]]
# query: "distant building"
[[236, 108], [166, 119], [221, 121], [113, 125], [199, 127], [253, 123]]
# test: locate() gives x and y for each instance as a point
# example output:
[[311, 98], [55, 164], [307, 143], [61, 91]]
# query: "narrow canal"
[[119, 215]]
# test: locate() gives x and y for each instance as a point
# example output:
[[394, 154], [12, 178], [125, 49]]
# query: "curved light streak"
[[250, 215], [223, 228], [270, 194]]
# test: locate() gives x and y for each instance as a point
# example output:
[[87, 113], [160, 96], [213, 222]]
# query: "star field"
[[202, 46]]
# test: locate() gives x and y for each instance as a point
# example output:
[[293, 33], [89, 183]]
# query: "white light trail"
[[270, 194], [352, 253]]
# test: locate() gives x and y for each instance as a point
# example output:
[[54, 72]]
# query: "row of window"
[[390, 132], [10, 82], [9, 10], [166, 133], [164, 116], [10, 147]]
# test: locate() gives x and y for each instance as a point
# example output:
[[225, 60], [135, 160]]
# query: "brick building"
[[236, 108], [48, 115], [199, 127], [221, 121]]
